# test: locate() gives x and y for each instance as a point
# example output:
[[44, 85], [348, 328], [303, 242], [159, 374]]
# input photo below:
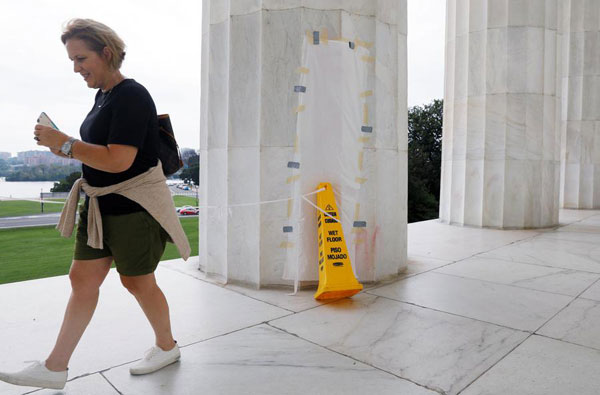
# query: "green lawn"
[[185, 201], [30, 253], [16, 208]]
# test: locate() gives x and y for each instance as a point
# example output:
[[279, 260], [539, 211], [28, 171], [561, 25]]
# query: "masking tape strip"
[[340, 38], [360, 224], [363, 139], [296, 144], [290, 208], [299, 88], [300, 108], [360, 180], [324, 35], [359, 241], [361, 156], [364, 44], [293, 165], [356, 211], [366, 129], [309, 37], [303, 70], [286, 244], [365, 113], [292, 179], [358, 230], [288, 229], [368, 59], [366, 93]]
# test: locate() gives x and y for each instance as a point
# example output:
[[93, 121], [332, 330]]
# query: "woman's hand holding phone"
[[47, 134], [45, 120]]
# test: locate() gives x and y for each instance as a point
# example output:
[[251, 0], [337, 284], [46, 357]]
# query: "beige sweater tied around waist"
[[148, 189]]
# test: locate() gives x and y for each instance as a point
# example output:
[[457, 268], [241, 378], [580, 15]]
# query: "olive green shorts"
[[136, 242]]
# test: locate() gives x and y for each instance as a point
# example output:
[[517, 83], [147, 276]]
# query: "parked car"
[[189, 211], [178, 209]]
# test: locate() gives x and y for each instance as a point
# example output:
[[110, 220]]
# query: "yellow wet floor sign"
[[336, 278]]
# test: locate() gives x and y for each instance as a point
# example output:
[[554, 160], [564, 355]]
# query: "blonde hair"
[[97, 36]]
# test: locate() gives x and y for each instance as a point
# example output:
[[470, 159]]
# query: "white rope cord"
[[321, 210], [262, 202], [2, 198], [228, 207]]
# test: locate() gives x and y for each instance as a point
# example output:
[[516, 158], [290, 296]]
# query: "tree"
[[192, 160], [41, 172], [187, 153], [66, 184], [424, 160], [4, 168], [191, 173]]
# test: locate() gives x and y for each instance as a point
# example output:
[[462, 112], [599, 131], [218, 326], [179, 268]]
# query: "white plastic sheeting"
[[328, 147]]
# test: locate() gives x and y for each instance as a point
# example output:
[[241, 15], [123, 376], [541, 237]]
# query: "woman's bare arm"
[[113, 158]]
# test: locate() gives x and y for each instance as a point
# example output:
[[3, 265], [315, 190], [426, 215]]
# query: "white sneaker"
[[156, 358], [36, 375]]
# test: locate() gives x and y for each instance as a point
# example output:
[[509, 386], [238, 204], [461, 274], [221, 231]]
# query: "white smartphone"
[[45, 120]]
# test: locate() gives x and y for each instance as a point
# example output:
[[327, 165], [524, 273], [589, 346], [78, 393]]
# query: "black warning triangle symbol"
[[329, 208]]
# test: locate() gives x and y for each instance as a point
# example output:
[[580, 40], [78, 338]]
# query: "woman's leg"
[[86, 278], [155, 307]]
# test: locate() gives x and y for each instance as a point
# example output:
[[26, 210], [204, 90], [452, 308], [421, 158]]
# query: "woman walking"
[[128, 215]]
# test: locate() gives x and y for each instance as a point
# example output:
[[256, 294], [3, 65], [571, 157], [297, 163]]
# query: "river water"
[[23, 189], [32, 189]]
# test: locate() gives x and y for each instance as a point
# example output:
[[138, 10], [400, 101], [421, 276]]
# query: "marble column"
[[580, 126], [501, 139], [251, 53]]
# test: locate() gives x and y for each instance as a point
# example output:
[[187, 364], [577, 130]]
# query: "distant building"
[[35, 158], [5, 155]]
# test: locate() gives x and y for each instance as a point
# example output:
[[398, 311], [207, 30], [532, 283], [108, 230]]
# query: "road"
[[29, 220]]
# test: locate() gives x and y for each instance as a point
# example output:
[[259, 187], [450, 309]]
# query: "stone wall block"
[[251, 63], [501, 129], [580, 113]]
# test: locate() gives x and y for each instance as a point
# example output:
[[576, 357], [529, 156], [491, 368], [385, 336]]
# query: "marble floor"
[[479, 311]]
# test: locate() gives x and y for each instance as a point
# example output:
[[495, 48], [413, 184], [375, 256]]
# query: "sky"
[[163, 53], [426, 21]]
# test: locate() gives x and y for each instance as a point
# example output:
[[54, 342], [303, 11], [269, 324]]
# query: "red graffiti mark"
[[374, 237]]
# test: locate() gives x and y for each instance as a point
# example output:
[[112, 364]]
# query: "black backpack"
[[168, 150]]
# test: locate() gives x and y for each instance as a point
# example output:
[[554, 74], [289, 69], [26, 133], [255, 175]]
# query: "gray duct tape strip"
[[351, 44], [360, 224], [294, 165], [316, 38], [367, 129], [288, 229], [299, 88]]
